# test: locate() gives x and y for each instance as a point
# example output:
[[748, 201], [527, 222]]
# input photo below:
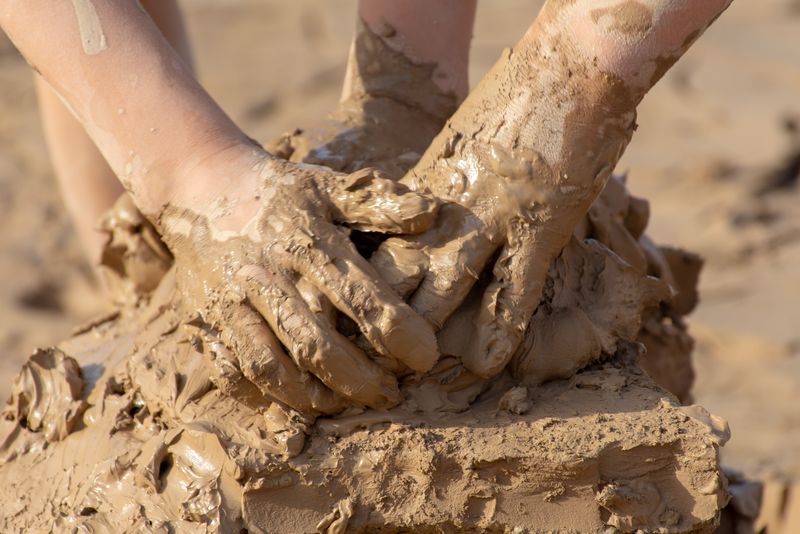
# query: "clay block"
[[604, 450]]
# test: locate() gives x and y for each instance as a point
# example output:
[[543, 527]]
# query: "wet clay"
[[631, 18], [134, 258], [172, 441], [47, 395], [377, 68]]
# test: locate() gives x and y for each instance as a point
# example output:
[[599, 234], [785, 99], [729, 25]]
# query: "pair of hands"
[[271, 261]]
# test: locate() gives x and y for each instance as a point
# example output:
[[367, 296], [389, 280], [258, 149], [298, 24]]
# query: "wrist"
[[211, 174]]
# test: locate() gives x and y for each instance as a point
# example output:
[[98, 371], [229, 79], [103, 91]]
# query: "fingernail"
[[490, 354]]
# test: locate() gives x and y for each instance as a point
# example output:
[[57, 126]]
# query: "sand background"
[[711, 135]]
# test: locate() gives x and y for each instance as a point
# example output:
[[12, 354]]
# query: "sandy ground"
[[711, 135]]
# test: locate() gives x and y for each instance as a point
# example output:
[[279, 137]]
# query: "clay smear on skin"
[[93, 39], [629, 18], [378, 68]]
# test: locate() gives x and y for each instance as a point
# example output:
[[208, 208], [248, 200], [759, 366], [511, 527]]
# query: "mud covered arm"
[[526, 154]]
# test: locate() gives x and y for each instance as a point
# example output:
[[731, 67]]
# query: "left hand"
[[250, 248]]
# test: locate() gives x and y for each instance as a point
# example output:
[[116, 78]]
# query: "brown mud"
[[164, 429]]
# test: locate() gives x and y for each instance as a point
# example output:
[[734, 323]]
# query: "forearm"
[[523, 158], [88, 187], [437, 33], [556, 112], [635, 42], [136, 98], [414, 51]]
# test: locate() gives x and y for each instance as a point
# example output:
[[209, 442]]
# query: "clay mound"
[[161, 450], [603, 450]]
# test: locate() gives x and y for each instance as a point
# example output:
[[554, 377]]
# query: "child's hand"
[[252, 249]]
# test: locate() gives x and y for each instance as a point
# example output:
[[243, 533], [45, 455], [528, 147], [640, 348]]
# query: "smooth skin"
[[88, 185]]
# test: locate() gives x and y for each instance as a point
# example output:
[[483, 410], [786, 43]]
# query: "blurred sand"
[[709, 134]]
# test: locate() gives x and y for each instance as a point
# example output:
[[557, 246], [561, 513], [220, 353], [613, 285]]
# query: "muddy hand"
[[526, 154], [276, 229]]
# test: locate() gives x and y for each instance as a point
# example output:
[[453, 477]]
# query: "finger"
[[508, 303], [330, 261], [401, 263], [264, 363], [322, 308], [317, 302], [459, 248], [370, 202], [315, 345]]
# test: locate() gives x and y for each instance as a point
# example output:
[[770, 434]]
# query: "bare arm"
[[429, 33], [88, 186], [526, 154], [134, 95]]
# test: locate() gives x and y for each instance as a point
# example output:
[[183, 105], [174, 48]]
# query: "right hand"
[[242, 258]]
